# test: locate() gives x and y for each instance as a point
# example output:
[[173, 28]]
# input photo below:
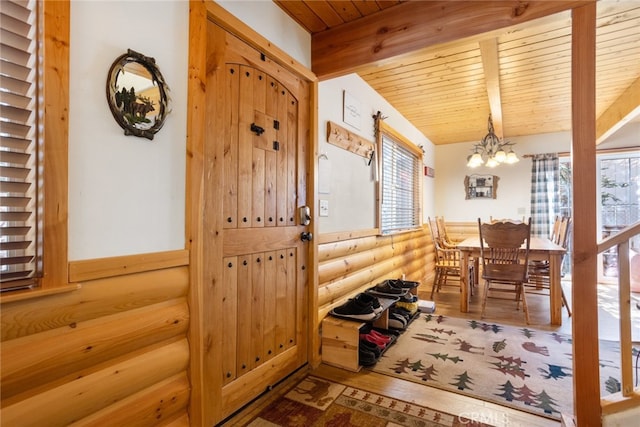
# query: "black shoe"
[[355, 310], [372, 347], [368, 299], [387, 288], [366, 357], [401, 311], [404, 284]]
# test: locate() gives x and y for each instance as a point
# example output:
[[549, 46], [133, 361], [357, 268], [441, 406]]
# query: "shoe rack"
[[341, 337]]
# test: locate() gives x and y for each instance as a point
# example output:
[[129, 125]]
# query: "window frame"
[[53, 147], [386, 131]]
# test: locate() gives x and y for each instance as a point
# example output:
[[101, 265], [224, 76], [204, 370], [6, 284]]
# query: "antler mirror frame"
[[137, 94]]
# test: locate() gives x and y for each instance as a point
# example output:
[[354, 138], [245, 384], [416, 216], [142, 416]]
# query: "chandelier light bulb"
[[492, 149], [492, 163], [512, 158]]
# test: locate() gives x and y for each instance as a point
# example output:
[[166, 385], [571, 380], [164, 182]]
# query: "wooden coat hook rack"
[[341, 137]]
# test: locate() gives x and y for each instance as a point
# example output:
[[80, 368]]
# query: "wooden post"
[[586, 383]]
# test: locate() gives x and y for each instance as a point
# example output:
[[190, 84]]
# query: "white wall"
[[127, 194], [513, 194], [514, 185], [351, 184], [275, 25]]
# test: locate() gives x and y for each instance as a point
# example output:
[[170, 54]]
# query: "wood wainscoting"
[[113, 351], [349, 263]]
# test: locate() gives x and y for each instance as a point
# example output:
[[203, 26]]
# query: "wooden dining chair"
[[504, 249], [445, 240], [539, 271], [447, 260]]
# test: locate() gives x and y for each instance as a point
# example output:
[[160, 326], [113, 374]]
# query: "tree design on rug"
[[555, 372], [508, 391], [429, 338], [510, 366], [429, 317], [545, 401], [474, 324], [526, 395], [443, 331], [498, 346], [428, 374], [445, 357], [416, 366], [402, 366], [528, 332], [462, 381]]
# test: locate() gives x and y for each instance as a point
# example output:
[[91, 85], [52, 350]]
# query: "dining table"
[[540, 248]]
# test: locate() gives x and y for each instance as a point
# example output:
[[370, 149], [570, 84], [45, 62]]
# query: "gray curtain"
[[545, 179]]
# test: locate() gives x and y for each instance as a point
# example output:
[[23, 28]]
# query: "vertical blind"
[[400, 198], [19, 239]]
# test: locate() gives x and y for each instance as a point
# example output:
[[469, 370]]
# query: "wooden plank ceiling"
[[446, 66]]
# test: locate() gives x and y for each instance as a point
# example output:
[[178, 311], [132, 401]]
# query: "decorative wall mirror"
[[481, 186], [137, 94]]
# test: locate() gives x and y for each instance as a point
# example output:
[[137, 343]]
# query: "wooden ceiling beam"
[[622, 111], [414, 25], [491, 66]]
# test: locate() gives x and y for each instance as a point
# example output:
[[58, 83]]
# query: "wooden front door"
[[255, 263]]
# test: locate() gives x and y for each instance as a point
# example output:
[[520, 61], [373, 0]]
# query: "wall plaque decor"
[[481, 186], [137, 94]]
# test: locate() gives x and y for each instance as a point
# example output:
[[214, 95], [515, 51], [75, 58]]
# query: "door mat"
[[519, 367], [319, 402]]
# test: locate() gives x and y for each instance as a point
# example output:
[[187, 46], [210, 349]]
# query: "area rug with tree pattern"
[[318, 402], [520, 367]]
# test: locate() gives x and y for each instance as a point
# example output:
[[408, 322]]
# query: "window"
[[19, 114], [34, 103], [400, 183]]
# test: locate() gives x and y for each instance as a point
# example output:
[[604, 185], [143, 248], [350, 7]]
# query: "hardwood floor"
[[447, 303]]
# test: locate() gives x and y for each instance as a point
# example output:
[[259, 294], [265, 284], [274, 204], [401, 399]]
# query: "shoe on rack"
[[387, 288], [401, 311], [366, 357], [409, 298], [368, 299], [373, 348], [380, 336], [404, 284], [396, 321], [411, 307], [369, 338], [355, 310]]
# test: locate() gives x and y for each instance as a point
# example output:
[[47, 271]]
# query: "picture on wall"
[[351, 110], [481, 186]]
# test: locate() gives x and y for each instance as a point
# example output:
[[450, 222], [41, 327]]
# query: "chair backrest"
[[556, 229], [562, 236], [445, 239], [505, 243], [433, 228]]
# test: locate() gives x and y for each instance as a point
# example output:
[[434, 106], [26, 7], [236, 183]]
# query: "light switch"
[[324, 208]]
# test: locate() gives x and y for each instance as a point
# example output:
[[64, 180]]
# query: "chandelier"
[[491, 152]]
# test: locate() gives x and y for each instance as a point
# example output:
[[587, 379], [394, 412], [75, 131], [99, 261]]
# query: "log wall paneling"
[[113, 352], [351, 265]]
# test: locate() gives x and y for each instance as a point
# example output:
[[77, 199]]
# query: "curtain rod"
[[602, 151]]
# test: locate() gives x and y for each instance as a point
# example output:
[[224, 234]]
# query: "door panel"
[[255, 177]]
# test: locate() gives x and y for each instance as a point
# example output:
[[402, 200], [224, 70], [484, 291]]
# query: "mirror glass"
[[137, 94]]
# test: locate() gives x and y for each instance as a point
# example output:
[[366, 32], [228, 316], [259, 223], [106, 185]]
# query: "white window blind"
[[400, 187], [19, 162]]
